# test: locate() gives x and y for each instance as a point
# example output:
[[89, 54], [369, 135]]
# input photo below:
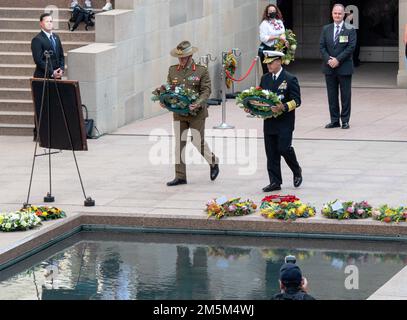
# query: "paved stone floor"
[[366, 162]]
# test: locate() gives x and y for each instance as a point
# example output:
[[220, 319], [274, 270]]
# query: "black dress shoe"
[[176, 182], [272, 187], [214, 171], [332, 125], [297, 181], [345, 125]]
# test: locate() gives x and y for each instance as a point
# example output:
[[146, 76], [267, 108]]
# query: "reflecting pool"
[[107, 265]]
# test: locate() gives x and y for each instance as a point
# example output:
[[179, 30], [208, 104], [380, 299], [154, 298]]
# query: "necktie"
[[274, 77], [54, 45], [337, 34]]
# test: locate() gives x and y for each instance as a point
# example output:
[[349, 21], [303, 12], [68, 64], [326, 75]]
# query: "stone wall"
[[310, 17], [402, 75], [131, 54]]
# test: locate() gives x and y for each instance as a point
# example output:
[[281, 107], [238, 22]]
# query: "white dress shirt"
[[278, 73], [48, 34], [49, 38], [335, 28], [271, 28]]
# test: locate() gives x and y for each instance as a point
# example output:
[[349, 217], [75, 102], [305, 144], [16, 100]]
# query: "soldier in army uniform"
[[195, 77], [278, 132]]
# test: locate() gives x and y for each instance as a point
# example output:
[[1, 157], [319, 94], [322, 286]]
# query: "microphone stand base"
[[89, 202], [49, 198]]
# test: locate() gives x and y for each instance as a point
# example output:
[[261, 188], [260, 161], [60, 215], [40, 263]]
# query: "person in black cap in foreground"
[[293, 285]]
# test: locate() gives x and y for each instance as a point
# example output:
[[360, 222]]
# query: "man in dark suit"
[[337, 45], [48, 41], [350, 18], [278, 132]]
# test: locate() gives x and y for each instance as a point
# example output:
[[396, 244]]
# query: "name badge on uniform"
[[343, 39], [283, 86]]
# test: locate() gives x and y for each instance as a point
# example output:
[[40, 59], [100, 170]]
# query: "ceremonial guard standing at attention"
[[278, 132], [195, 77]]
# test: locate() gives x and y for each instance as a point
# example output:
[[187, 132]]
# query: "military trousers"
[[277, 146], [197, 127]]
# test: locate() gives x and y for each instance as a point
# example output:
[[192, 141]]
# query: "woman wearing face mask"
[[271, 30]]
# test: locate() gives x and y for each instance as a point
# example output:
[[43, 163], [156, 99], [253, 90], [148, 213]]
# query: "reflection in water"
[[122, 270], [191, 274]]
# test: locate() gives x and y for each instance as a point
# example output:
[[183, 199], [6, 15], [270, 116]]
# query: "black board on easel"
[[56, 137]]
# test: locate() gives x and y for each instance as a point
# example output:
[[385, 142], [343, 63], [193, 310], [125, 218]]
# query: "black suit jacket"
[[41, 43], [342, 51], [288, 88]]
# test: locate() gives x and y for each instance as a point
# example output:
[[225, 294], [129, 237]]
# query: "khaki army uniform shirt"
[[195, 77]]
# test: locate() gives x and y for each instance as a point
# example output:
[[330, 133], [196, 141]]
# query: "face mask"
[[272, 15]]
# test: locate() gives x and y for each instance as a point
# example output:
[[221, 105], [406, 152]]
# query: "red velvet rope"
[[246, 75]]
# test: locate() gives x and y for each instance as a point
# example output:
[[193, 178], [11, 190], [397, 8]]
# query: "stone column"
[[128, 4], [402, 74]]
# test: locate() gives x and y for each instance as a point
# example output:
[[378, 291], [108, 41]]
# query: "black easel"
[[89, 202]]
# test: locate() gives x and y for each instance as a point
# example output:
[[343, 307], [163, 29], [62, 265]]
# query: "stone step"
[[16, 105], [25, 70], [96, 4], [15, 93], [17, 69], [18, 58], [14, 82], [27, 35], [25, 46], [35, 13], [31, 13], [19, 23], [30, 23], [7, 129], [16, 117]]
